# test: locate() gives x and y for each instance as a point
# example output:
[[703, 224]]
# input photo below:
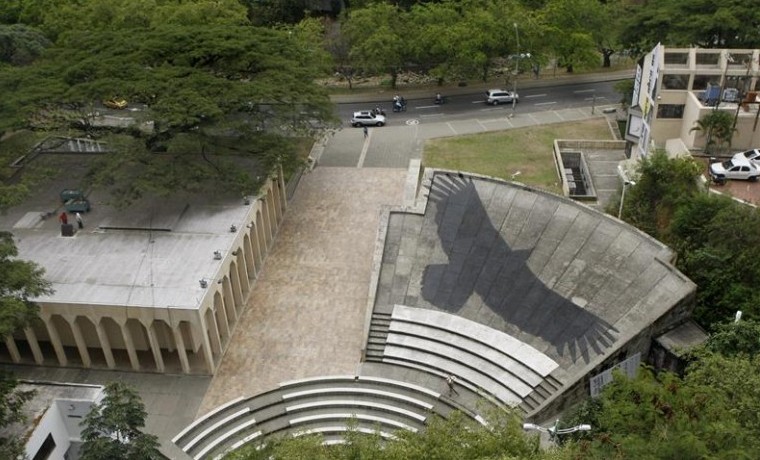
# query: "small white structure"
[[52, 427]]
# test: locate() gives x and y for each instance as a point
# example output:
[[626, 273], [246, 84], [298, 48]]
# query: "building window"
[[671, 81], [676, 59], [46, 449], [708, 59], [670, 111], [701, 81]]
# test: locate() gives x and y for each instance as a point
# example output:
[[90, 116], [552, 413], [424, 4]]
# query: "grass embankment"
[[501, 154]]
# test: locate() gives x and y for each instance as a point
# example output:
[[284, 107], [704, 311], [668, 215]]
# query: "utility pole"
[[517, 70]]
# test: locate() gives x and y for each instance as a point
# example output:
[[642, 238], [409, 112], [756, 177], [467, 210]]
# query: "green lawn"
[[502, 153]]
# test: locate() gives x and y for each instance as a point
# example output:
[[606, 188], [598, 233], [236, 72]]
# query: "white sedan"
[[752, 155], [735, 168]]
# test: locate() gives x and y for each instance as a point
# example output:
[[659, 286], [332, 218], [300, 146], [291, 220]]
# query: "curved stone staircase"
[[324, 405], [488, 362]]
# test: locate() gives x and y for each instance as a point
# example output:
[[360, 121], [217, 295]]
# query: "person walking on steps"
[[450, 381]]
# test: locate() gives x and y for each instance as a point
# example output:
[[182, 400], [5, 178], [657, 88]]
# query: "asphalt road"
[[472, 105]]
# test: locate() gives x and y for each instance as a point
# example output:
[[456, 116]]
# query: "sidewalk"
[[384, 94]]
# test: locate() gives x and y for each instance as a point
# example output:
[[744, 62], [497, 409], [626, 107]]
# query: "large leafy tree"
[[21, 44], [661, 185], [20, 282], [684, 23], [12, 402], [112, 430], [661, 416], [719, 248], [215, 96], [377, 37], [570, 31]]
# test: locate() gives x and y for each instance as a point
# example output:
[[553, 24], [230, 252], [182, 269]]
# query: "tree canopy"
[[215, 103], [20, 282], [12, 402], [112, 428]]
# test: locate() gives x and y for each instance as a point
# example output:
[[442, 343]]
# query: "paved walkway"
[[307, 309]]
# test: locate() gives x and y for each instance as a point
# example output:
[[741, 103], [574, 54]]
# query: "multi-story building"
[[676, 87]]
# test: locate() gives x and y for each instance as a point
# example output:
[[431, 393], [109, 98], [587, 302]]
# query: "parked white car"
[[751, 155], [367, 118], [735, 168]]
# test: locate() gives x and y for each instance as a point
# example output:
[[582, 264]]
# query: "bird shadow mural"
[[481, 262]]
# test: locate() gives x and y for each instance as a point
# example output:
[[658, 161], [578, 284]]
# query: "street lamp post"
[[517, 70], [622, 196], [555, 431]]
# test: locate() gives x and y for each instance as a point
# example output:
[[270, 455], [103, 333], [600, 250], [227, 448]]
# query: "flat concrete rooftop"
[[152, 254]]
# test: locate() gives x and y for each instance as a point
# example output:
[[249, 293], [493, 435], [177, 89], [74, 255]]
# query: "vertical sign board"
[[648, 106], [629, 367]]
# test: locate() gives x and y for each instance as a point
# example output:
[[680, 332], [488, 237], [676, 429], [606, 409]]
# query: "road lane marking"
[[545, 103], [584, 91], [534, 95], [365, 147]]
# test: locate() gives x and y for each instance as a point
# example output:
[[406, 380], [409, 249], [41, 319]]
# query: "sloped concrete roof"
[[567, 280]]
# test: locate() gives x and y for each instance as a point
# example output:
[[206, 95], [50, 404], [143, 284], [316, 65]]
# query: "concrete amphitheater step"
[[378, 334], [312, 404]]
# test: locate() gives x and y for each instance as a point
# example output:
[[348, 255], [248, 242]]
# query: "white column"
[[130, 344], [105, 344], [31, 337], [55, 340], [180, 342], [10, 343], [81, 344], [155, 348]]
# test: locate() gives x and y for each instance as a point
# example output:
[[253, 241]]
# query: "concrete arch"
[[250, 262], [237, 293], [88, 344], [258, 245], [212, 333], [277, 200], [110, 333], [261, 229], [271, 211], [229, 313], [243, 273], [62, 340], [222, 321]]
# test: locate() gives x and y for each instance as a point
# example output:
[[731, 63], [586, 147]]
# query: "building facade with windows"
[[676, 87]]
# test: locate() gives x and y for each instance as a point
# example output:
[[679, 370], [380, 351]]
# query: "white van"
[[500, 96]]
